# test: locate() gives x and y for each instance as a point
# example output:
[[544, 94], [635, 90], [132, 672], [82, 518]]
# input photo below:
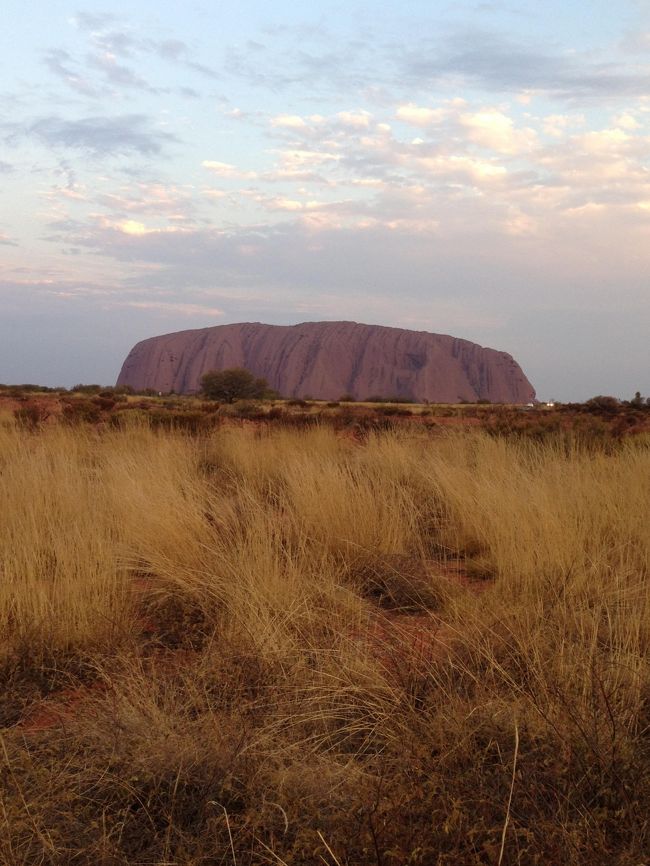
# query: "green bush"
[[87, 389], [248, 409], [232, 384], [81, 412], [394, 410], [191, 422], [31, 416]]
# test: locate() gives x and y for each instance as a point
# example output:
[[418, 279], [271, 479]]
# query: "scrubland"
[[263, 645]]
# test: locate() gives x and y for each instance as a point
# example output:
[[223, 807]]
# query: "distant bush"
[[81, 412], [87, 389], [248, 409], [394, 410], [18, 392], [297, 401], [31, 416], [208, 407], [347, 398], [189, 421], [394, 399], [232, 384], [299, 420], [603, 404], [128, 417], [106, 403]]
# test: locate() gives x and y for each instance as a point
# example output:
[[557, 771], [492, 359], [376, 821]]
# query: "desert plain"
[[315, 633]]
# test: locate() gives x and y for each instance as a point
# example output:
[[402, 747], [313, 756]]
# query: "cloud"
[[176, 308], [301, 158], [93, 21], [5, 240], [292, 57], [108, 46], [178, 51], [416, 115], [103, 136], [170, 49], [116, 73], [354, 119], [288, 121], [494, 130], [225, 169], [5, 167], [61, 64], [637, 41], [471, 57], [105, 34], [494, 62], [155, 199]]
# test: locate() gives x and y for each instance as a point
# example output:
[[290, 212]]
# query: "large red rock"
[[328, 359]]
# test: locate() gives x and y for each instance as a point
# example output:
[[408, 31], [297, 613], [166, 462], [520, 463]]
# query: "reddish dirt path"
[[58, 708]]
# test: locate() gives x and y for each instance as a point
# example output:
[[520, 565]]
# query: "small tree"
[[232, 384], [603, 404]]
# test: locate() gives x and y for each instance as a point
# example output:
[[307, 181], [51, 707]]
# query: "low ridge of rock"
[[328, 359]]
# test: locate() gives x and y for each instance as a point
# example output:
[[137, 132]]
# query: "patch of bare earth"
[[401, 640]]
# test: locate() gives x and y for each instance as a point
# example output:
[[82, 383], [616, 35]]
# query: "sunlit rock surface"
[[328, 359]]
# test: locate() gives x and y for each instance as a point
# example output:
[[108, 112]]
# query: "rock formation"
[[328, 359]]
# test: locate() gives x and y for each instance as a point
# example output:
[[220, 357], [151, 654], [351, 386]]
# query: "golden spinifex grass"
[[271, 646]]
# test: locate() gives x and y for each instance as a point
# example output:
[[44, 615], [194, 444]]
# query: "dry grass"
[[272, 646]]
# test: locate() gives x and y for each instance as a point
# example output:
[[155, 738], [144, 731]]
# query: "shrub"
[[232, 384], [603, 404], [87, 389], [81, 412], [104, 402], [31, 416], [191, 422], [248, 409], [396, 398], [394, 410]]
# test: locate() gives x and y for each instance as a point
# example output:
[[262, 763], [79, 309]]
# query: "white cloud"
[[603, 140], [288, 121], [464, 167], [355, 119], [626, 121], [225, 169], [492, 129], [174, 307], [301, 158], [132, 227], [417, 115]]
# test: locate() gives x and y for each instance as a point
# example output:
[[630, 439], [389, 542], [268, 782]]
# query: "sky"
[[475, 169]]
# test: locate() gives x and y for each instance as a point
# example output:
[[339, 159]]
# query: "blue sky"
[[478, 169]]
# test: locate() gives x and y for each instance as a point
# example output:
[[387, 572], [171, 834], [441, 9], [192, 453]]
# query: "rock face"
[[328, 359]]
